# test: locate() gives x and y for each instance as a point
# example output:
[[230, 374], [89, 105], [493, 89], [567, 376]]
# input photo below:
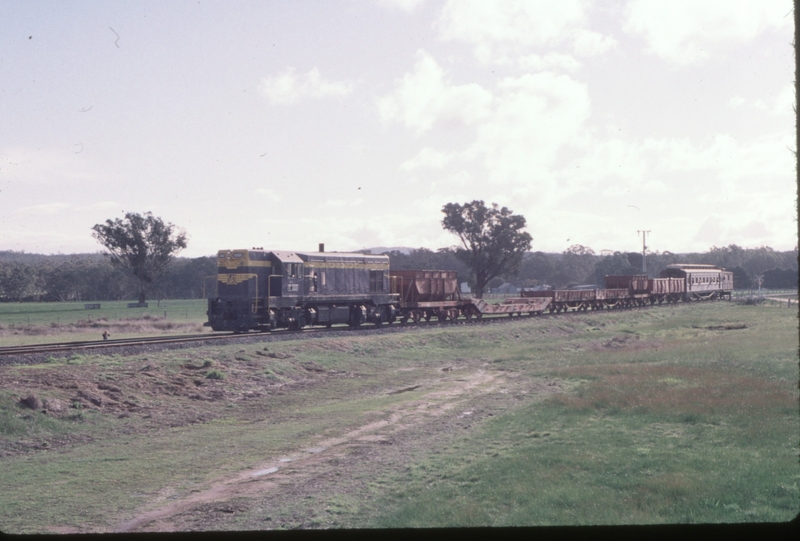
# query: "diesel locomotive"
[[268, 289]]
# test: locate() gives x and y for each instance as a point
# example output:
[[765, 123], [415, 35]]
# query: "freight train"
[[261, 290]]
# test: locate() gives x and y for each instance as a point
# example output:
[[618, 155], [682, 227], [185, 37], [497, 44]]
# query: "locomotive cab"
[[286, 279]]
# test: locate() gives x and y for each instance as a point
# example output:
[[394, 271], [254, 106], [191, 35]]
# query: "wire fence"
[[30, 314], [769, 297]]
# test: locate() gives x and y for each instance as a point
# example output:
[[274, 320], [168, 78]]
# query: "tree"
[[741, 280], [493, 239], [780, 279], [618, 264], [576, 265], [141, 245], [537, 268]]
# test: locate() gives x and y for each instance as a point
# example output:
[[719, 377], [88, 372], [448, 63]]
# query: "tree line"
[[92, 277], [141, 248], [580, 265]]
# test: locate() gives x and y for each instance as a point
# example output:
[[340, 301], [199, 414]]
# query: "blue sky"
[[283, 124]]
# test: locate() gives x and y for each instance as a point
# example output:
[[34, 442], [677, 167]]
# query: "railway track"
[[99, 344], [40, 350]]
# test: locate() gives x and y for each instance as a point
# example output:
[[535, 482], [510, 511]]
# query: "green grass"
[[33, 323], [702, 429], [553, 464], [660, 418]]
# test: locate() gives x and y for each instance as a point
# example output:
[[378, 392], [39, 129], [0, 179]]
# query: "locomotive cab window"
[[292, 270], [375, 281]]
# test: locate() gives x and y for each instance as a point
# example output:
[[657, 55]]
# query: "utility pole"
[[644, 249]]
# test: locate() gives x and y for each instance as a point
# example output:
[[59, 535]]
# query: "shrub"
[[215, 374]]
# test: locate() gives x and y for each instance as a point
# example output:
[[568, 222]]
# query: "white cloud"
[[46, 209], [519, 21], [404, 5], [785, 102], [287, 87], [782, 105], [535, 115], [535, 62], [736, 102], [427, 158], [423, 98], [589, 43], [49, 166], [269, 193], [682, 31], [513, 27], [338, 203]]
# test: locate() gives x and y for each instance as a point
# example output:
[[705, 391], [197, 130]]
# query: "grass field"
[[30, 323], [680, 414]]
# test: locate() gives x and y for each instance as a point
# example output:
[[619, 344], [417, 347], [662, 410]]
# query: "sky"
[[284, 124]]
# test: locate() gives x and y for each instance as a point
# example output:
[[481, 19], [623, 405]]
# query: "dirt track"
[[319, 464]]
